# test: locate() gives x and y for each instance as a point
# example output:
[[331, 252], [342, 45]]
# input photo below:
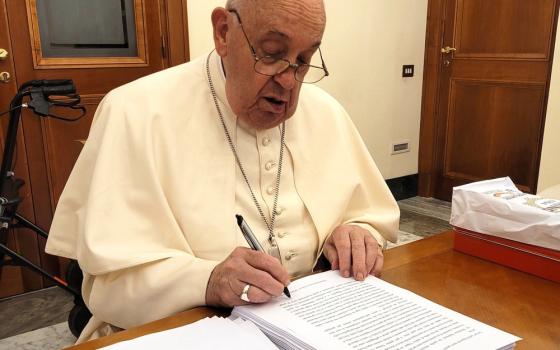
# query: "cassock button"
[[270, 190], [289, 256], [269, 165], [280, 210], [265, 141]]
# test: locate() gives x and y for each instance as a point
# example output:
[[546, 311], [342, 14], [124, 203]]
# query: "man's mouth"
[[276, 105], [275, 101]]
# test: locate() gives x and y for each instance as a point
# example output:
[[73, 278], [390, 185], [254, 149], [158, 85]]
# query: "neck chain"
[[269, 225]]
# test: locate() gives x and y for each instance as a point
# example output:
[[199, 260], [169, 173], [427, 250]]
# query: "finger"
[[357, 239], [255, 294], [264, 262], [330, 253], [378, 263], [341, 240], [371, 253], [240, 266], [263, 280]]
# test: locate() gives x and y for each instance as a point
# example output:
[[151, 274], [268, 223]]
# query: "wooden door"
[[485, 97], [100, 45]]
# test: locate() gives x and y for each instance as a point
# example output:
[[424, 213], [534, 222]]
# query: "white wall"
[[200, 27], [549, 173], [365, 45]]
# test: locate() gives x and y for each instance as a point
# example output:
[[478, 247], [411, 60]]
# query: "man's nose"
[[286, 78]]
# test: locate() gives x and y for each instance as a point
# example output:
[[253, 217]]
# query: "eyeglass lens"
[[304, 73]]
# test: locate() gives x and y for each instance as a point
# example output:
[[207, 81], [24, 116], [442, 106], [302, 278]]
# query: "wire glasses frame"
[[271, 66]]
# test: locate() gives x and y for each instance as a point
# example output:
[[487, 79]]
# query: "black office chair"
[[41, 96], [80, 314]]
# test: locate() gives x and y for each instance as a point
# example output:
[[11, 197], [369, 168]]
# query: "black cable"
[[15, 147], [72, 102], [16, 153], [50, 115], [67, 119], [11, 109]]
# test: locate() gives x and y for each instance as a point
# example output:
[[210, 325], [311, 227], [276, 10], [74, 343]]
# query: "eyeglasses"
[[271, 66]]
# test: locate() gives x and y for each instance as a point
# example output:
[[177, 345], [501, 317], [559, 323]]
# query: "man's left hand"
[[354, 251]]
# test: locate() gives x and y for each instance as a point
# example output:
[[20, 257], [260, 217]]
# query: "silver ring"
[[245, 294]]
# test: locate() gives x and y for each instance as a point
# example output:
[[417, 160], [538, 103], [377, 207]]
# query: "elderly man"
[[149, 210]]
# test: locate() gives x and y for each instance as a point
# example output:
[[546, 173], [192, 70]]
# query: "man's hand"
[[266, 276], [354, 251]]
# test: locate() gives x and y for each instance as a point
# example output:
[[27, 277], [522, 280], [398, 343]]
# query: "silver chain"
[[270, 226]]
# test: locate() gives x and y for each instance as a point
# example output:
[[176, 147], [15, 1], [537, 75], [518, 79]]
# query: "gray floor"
[[37, 320], [34, 310]]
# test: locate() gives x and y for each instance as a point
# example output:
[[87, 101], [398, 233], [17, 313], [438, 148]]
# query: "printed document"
[[327, 311]]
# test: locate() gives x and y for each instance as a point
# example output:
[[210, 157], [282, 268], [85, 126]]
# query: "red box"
[[535, 260]]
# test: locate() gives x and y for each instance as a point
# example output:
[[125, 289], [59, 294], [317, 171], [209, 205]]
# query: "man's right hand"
[[264, 273]]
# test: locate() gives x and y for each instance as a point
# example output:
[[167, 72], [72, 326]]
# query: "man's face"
[[286, 29]]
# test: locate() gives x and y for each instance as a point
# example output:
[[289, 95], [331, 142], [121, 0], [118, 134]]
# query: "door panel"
[[490, 92], [53, 39], [490, 130], [504, 28]]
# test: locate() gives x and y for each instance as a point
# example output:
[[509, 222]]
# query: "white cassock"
[[149, 209]]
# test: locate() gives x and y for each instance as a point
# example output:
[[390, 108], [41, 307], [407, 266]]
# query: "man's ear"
[[220, 24]]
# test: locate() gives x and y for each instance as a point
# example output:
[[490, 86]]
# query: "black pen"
[[253, 241]]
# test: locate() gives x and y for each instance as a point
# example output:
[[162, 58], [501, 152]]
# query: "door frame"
[[429, 119]]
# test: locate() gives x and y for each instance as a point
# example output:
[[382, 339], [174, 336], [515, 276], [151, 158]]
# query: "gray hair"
[[239, 4]]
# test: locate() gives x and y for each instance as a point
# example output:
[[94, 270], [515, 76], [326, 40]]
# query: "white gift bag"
[[496, 207]]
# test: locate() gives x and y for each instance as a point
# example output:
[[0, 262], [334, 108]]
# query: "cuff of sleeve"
[[202, 274], [152, 291]]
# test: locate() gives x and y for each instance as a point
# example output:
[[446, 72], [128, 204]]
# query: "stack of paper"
[[327, 311], [209, 333]]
